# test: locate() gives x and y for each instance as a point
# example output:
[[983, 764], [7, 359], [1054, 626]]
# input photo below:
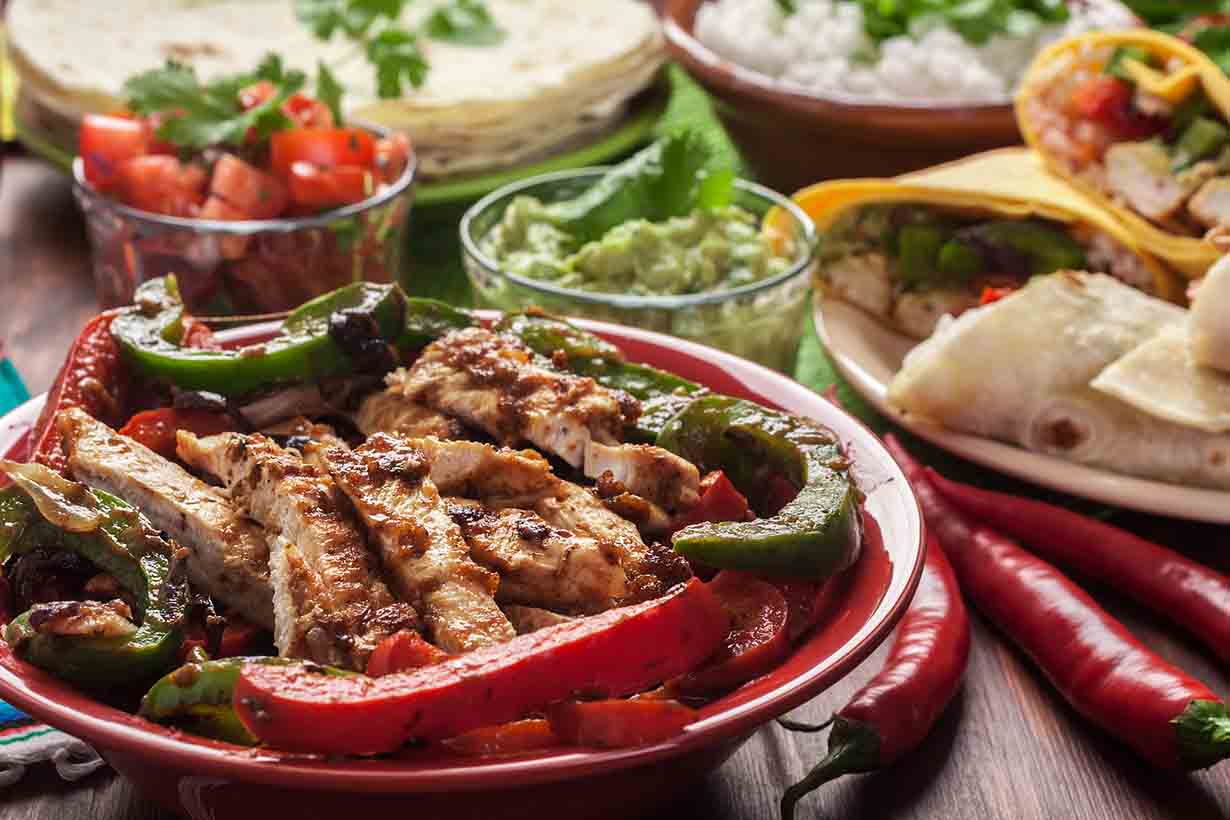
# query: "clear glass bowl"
[[762, 321], [246, 267]]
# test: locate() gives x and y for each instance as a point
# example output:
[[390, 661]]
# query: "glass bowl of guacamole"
[[711, 275]]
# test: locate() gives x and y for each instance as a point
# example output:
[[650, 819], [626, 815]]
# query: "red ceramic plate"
[[208, 780]]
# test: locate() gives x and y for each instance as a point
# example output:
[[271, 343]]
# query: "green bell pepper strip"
[[328, 336], [816, 535], [662, 395], [127, 547], [199, 695]]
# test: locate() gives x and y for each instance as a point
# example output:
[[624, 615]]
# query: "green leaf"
[[788, 7], [396, 55], [1215, 42], [466, 22], [329, 91], [323, 17]]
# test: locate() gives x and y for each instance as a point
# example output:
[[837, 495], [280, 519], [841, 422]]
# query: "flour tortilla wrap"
[[1047, 125], [1019, 370], [1007, 184]]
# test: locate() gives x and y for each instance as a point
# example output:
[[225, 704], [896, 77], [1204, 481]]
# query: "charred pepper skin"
[[356, 328], [127, 547], [816, 535], [897, 708]]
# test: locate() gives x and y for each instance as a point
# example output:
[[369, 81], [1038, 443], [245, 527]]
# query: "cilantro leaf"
[[210, 114], [353, 17], [329, 91], [396, 55], [466, 22], [788, 7]]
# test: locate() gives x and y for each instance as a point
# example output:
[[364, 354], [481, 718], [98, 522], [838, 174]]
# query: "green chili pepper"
[[662, 394], [346, 331], [816, 535], [198, 697], [124, 545]]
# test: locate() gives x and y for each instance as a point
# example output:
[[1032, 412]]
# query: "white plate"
[[868, 354]]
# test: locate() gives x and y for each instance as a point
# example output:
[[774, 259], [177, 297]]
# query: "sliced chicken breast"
[[527, 619], [491, 382], [389, 411], [539, 565], [657, 475], [330, 602], [228, 557], [424, 553]]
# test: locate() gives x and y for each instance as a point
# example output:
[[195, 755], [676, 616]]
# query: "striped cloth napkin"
[[23, 740]]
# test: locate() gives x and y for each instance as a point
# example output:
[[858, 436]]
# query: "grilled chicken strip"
[[657, 475], [539, 565], [424, 553], [531, 618], [389, 411], [491, 382], [510, 478], [330, 604], [228, 556]]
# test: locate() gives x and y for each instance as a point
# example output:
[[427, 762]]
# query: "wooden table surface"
[[1008, 747]]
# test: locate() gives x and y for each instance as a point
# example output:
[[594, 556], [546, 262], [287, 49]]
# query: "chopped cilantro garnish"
[[207, 114]]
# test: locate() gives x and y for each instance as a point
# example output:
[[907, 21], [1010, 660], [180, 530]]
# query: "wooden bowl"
[[792, 138], [206, 779]]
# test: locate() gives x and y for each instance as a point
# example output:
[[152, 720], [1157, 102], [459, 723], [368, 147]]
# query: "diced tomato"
[[238, 637], [161, 184], [402, 651], [253, 95], [107, 141], [246, 192], [391, 155], [156, 428], [518, 737], [1107, 101], [156, 145], [308, 112], [316, 189], [323, 147], [618, 724], [990, 294], [757, 640]]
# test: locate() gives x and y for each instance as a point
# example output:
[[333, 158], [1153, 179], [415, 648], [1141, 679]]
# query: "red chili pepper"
[[92, 378], [897, 708], [618, 652], [1187, 592], [1107, 675]]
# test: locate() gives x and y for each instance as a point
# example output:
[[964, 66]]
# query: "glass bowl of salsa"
[[724, 277], [242, 235]]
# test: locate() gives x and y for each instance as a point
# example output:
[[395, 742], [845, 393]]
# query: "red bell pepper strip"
[[618, 724], [156, 429], [1105, 673], [757, 640], [1187, 592], [401, 652], [92, 378], [518, 737], [897, 708], [619, 652], [719, 501]]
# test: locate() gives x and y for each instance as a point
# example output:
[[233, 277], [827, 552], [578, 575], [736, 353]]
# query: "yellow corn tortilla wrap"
[[1007, 183], [1183, 69]]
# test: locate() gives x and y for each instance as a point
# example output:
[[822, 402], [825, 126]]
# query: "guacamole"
[[706, 250]]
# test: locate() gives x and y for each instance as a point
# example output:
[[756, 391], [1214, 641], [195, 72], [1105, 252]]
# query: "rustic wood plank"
[[1009, 747]]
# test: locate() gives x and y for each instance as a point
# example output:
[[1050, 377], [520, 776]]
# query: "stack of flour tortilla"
[[1086, 368], [563, 74]]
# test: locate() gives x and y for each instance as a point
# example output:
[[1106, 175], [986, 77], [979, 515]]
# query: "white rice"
[[823, 49]]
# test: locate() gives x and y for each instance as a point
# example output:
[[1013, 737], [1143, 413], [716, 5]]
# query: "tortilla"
[[1184, 67], [1019, 370], [551, 82], [1210, 330]]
